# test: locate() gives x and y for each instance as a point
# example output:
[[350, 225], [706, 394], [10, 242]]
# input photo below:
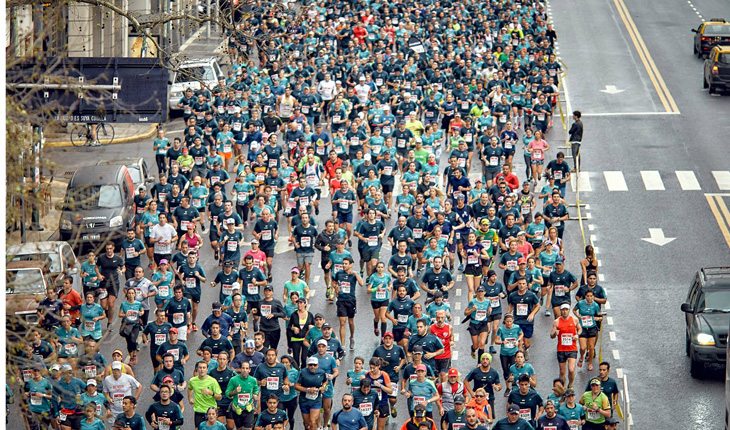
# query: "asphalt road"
[[542, 354], [646, 282]]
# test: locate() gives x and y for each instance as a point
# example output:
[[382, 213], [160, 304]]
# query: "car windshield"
[[24, 281], [196, 73], [717, 29], [52, 259], [94, 197], [723, 58], [135, 174], [715, 300]]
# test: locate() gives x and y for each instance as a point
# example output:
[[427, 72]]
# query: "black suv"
[[707, 317]]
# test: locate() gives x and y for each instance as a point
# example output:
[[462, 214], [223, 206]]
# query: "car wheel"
[[686, 344], [711, 88], [694, 49], [696, 368], [704, 83]]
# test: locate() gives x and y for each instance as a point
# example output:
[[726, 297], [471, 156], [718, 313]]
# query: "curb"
[[144, 135]]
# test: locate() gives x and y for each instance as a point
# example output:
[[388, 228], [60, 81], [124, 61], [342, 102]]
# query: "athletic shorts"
[[305, 258], [494, 317], [399, 333], [367, 253], [384, 410], [307, 406], [476, 329], [344, 217], [269, 252], [589, 332], [73, 420], [379, 304], [489, 176], [387, 188], [322, 263], [537, 162], [527, 329], [473, 270], [346, 308], [193, 295], [442, 365], [563, 356]]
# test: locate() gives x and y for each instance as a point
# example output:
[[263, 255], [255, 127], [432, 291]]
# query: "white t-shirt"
[[164, 233], [363, 92], [326, 89], [118, 388]]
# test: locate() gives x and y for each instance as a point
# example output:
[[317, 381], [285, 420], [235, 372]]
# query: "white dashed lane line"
[[695, 10]]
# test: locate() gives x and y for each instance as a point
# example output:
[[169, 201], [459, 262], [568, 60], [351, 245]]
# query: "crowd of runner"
[[395, 126]]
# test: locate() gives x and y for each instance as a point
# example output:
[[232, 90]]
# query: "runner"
[[566, 328]]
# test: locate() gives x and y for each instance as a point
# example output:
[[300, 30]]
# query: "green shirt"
[[249, 390], [202, 402], [590, 402]]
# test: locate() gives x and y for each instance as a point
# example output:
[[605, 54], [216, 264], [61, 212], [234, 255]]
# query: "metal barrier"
[[624, 412]]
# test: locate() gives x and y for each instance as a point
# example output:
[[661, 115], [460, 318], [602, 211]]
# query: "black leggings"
[[291, 408], [242, 211], [506, 361], [271, 338], [132, 339], [299, 351], [161, 165]]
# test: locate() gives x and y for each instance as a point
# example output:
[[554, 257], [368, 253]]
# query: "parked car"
[[25, 288], [98, 206], [189, 74], [57, 257], [707, 318], [137, 169]]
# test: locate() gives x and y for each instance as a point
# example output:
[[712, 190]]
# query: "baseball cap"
[[216, 305], [326, 325], [56, 367], [295, 270], [163, 261], [459, 399], [269, 288], [228, 263], [565, 306], [167, 378], [522, 261], [513, 409], [230, 221], [117, 351], [250, 344], [254, 241], [173, 330], [570, 392], [420, 409], [91, 381], [559, 260], [312, 360], [142, 188], [322, 342], [491, 273], [611, 420], [235, 286], [367, 157], [388, 334], [595, 381], [418, 349], [486, 355], [117, 365], [66, 367], [453, 372], [421, 367]]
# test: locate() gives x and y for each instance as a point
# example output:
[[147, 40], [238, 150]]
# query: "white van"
[[189, 74]]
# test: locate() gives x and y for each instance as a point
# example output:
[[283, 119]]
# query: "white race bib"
[[522, 309]]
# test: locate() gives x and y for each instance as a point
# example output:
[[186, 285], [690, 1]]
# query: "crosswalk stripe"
[[652, 180], [722, 177], [687, 180], [584, 182], [615, 180]]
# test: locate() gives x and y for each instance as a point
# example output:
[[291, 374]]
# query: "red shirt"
[[513, 182], [331, 168], [72, 299], [567, 329], [444, 335]]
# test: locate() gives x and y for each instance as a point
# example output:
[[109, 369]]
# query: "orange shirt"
[[567, 330]]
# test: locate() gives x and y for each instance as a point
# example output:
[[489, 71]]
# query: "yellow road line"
[[654, 75], [716, 211]]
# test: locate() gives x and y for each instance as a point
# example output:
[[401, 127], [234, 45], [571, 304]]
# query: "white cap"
[[91, 381], [367, 157], [322, 342], [235, 285], [565, 306], [312, 360], [117, 365]]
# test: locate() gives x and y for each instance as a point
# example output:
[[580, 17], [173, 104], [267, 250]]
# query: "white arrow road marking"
[[656, 236], [611, 89]]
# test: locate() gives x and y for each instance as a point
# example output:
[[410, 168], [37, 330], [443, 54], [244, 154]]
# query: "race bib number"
[[526, 209], [560, 290], [403, 318], [586, 320], [236, 126], [558, 174], [417, 233], [547, 270], [198, 160], [164, 291], [36, 399], [507, 144], [593, 416], [272, 382], [574, 424], [503, 118], [160, 338], [481, 315], [89, 325], [510, 342], [252, 289], [344, 204], [345, 287], [306, 241], [494, 302], [103, 293], [175, 353], [486, 244], [472, 259], [494, 161], [386, 130], [566, 339], [537, 154], [522, 309], [178, 318], [90, 371], [305, 109], [227, 289], [388, 170], [312, 396], [130, 252], [232, 246], [373, 241], [419, 400], [366, 409], [266, 235], [525, 414], [303, 201], [468, 137], [401, 143], [184, 225], [190, 283], [197, 202], [380, 294], [312, 180], [512, 265], [117, 399], [462, 162], [265, 310], [541, 117], [244, 398]]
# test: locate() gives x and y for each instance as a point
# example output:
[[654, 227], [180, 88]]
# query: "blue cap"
[[559, 260]]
